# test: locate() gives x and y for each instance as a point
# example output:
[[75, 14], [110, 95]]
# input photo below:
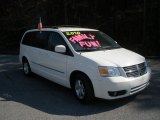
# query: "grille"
[[135, 70]]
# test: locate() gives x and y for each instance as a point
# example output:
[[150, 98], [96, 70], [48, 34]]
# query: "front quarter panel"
[[87, 66]]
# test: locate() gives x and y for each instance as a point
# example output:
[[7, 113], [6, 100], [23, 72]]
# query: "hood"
[[115, 57]]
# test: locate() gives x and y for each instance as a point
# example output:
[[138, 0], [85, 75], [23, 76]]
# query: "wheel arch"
[[76, 72], [24, 59]]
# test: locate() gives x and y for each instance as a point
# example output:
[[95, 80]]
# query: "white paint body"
[[58, 67]]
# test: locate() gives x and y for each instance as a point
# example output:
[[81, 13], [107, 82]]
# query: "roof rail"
[[54, 27]]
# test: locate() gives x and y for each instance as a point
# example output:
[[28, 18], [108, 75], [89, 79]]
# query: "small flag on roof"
[[40, 24]]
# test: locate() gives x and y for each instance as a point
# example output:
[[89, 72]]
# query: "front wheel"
[[83, 89]]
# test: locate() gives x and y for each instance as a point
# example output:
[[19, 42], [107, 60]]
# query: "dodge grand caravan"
[[86, 60]]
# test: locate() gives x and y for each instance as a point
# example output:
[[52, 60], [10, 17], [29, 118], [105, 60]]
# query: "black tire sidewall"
[[29, 69], [89, 94]]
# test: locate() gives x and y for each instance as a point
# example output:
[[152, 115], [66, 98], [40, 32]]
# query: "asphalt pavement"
[[35, 98]]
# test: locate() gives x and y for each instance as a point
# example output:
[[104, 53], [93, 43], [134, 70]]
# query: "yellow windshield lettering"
[[73, 33]]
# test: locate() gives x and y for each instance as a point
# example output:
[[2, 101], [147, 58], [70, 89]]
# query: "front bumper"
[[123, 85]]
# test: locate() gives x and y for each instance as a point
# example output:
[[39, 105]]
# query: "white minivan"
[[86, 60]]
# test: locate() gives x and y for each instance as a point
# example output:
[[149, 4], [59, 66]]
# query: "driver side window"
[[54, 40]]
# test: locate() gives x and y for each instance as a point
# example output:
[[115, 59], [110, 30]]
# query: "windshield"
[[90, 40]]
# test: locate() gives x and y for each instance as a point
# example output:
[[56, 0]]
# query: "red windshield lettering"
[[85, 40], [77, 38], [94, 44], [98, 44], [92, 36], [82, 44], [88, 44]]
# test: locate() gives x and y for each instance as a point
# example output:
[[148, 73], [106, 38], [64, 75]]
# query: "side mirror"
[[60, 49]]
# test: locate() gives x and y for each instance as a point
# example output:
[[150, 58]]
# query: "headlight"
[[108, 71]]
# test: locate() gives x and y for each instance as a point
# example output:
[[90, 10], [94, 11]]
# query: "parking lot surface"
[[35, 98]]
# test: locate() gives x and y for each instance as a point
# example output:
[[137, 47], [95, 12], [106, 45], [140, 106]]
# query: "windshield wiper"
[[85, 50], [89, 50], [111, 47], [114, 47], [99, 49]]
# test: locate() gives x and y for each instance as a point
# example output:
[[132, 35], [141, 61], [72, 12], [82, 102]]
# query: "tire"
[[83, 89], [26, 68]]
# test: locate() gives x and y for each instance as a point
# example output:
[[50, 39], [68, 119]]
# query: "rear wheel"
[[83, 89], [26, 68]]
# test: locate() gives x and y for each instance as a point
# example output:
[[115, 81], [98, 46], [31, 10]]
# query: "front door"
[[55, 63]]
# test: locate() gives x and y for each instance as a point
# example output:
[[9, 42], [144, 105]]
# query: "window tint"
[[54, 40], [37, 39], [27, 38], [40, 39], [90, 41], [45, 40]]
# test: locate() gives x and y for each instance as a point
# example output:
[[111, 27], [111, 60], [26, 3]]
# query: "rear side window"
[[37, 39], [40, 39], [27, 38]]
